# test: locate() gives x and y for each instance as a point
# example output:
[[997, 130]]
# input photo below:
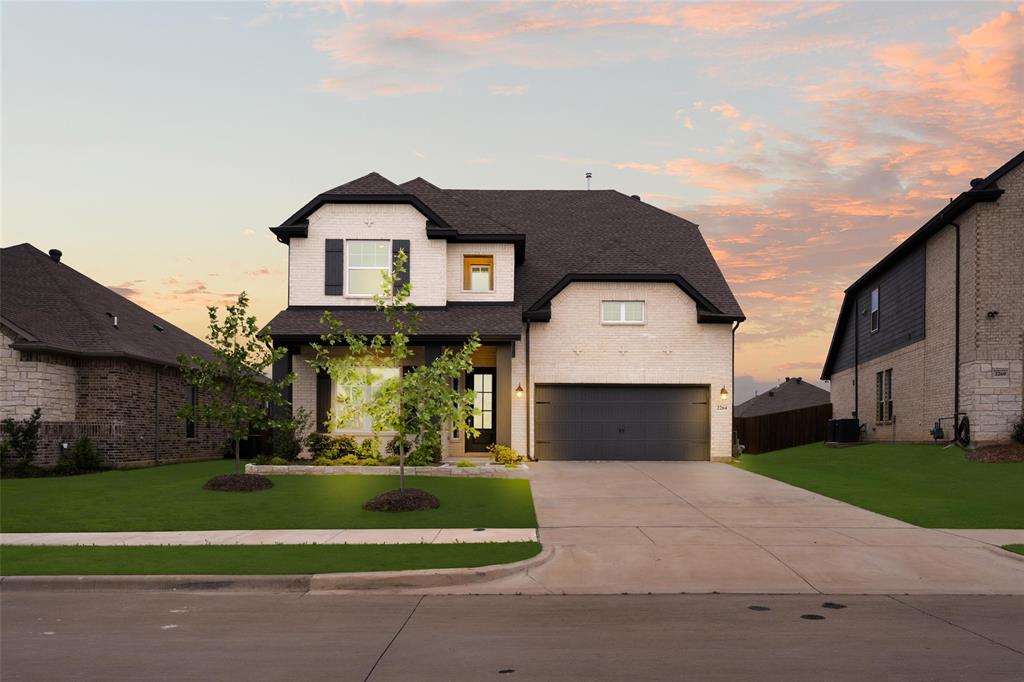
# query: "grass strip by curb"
[[1016, 549], [253, 559]]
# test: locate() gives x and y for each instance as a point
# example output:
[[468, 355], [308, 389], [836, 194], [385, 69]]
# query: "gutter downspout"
[[529, 399], [956, 334], [733, 436], [856, 357]]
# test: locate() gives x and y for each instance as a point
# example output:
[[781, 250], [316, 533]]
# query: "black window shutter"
[[396, 246], [323, 400], [334, 267]]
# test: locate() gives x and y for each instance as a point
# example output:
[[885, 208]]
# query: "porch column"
[[503, 397]]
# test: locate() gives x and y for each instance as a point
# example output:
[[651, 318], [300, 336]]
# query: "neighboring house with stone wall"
[[936, 328], [607, 327], [96, 364]]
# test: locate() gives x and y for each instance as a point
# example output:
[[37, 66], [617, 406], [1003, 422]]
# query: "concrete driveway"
[[669, 527]]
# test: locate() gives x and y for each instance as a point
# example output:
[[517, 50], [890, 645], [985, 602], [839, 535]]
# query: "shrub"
[[369, 449], [1018, 429], [370, 462], [506, 455], [424, 454], [278, 461], [286, 441], [22, 438], [318, 443], [465, 464], [261, 459], [323, 462], [346, 460], [392, 460], [392, 447], [79, 458], [344, 445]]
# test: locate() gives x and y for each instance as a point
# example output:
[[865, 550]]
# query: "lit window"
[[368, 262], [478, 273], [622, 312], [351, 396], [874, 310]]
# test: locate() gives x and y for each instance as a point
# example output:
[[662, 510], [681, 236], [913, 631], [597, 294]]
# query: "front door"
[[481, 382]]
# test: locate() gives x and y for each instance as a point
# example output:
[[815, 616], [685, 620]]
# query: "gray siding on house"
[[901, 306]]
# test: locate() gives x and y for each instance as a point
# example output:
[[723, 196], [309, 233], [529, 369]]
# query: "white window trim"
[[348, 280], [490, 279], [622, 313], [364, 429]]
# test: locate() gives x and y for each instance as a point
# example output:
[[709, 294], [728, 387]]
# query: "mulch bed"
[[238, 483], [1002, 453], [411, 499]]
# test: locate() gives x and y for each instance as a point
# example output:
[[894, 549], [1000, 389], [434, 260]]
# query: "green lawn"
[[926, 485], [172, 498], [253, 559], [1018, 549]]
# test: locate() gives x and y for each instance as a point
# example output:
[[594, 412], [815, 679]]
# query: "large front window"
[[368, 262], [352, 396]]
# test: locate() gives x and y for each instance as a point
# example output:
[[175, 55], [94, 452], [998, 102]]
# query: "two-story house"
[[935, 330], [607, 326]]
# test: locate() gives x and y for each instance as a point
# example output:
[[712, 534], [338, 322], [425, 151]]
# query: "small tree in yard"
[[415, 404], [20, 439], [234, 393]]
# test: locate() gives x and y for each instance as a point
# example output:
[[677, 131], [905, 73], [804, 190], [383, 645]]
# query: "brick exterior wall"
[[35, 379], [991, 347], [504, 272], [113, 401], [670, 348]]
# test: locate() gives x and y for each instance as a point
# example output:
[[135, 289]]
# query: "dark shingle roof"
[[56, 308], [792, 394], [456, 212], [491, 320], [601, 232], [371, 183]]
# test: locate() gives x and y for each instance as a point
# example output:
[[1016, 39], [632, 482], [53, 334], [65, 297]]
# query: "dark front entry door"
[[635, 422], [481, 382]]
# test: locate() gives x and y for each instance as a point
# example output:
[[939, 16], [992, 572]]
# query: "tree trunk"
[[401, 464], [238, 458]]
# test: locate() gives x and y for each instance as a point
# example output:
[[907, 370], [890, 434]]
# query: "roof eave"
[[38, 347]]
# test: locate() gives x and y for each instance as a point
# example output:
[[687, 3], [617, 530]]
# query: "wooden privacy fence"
[[782, 429]]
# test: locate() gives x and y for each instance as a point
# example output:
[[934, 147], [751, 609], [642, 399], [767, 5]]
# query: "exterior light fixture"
[[723, 395], [519, 391]]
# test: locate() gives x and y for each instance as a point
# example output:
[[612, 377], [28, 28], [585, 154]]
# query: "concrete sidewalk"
[[351, 536]]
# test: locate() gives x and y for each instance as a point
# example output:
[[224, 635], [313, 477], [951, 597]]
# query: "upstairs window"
[[874, 310], [478, 273], [368, 262], [622, 312]]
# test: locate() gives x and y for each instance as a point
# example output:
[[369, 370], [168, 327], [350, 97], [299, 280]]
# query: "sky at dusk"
[[154, 143]]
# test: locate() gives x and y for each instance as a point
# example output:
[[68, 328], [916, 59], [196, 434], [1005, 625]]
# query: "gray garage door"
[[601, 422]]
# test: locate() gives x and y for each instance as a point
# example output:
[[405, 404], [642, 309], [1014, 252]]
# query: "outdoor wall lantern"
[[519, 391], [723, 395]]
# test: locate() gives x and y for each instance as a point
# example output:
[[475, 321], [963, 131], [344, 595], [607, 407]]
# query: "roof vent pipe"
[[977, 182], [55, 255], [589, 175]]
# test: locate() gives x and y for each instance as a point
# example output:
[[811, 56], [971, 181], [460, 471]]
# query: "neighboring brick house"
[[936, 328], [96, 364], [607, 326]]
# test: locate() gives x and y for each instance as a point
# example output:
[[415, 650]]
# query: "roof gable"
[[792, 394]]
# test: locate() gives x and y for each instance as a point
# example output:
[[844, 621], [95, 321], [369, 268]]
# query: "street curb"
[[433, 577], [375, 580], [116, 583]]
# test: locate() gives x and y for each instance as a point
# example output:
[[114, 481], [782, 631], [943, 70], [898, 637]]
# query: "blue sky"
[[155, 142]]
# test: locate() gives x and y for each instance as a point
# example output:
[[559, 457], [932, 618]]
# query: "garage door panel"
[[621, 422]]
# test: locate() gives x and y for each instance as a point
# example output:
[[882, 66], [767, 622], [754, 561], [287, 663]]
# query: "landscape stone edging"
[[481, 471], [373, 580]]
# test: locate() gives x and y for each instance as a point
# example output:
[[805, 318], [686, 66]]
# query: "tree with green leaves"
[[417, 403], [234, 392]]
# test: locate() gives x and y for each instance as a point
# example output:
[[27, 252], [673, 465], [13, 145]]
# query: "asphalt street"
[[293, 636]]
